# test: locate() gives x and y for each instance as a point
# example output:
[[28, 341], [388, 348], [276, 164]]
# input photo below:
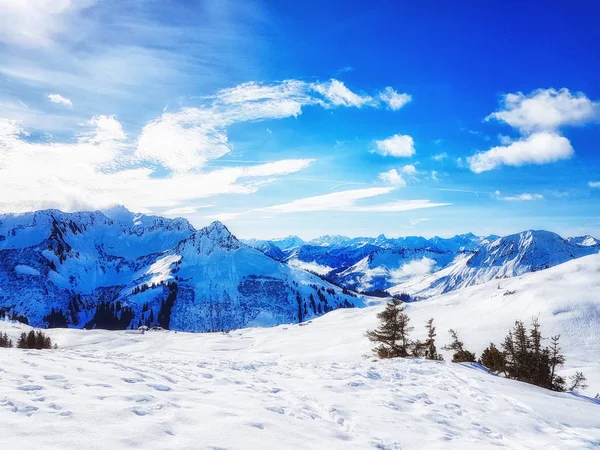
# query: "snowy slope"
[[155, 270], [314, 385], [504, 257]]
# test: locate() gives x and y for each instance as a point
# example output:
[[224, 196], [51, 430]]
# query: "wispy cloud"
[[163, 167], [594, 184], [336, 93], [59, 99], [419, 220], [440, 156], [522, 197]]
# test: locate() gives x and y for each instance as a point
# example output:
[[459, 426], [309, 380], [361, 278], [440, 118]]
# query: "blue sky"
[[308, 118]]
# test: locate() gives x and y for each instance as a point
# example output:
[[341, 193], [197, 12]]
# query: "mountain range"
[[116, 269]]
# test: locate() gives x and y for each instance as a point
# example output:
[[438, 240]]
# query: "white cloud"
[[59, 99], [522, 197], [546, 110], [538, 117], [440, 156], [106, 128], [97, 172], [334, 201], [394, 100], [36, 23], [538, 148], [346, 201], [104, 166], [185, 210], [397, 145], [411, 269], [409, 170], [419, 220], [338, 94], [434, 175], [392, 177], [594, 184], [183, 141]]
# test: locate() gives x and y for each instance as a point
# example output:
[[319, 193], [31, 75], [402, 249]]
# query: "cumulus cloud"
[[398, 145], [538, 117], [394, 100], [440, 156], [338, 94], [546, 110], [522, 197], [59, 99], [539, 148], [594, 184], [392, 177]]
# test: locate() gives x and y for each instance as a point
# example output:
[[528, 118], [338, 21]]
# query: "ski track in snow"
[[314, 386]]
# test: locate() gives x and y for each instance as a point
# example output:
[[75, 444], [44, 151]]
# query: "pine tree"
[[22, 343], [556, 359], [578, 382], [493, 359], [392, 334], [430, 348], [458, 347], [299, 302], [5, 341]]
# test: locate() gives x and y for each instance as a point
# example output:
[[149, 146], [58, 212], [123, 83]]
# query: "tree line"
[[521, 356], [32, 340]]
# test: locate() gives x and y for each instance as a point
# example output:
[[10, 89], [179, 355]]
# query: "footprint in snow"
[[53, 377], [160, 387], [140, 412], [132, 380], [275, 409], [260, 426], [30, 387]]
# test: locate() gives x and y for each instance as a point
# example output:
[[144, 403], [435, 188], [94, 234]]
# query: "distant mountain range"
[[425, 267], [116, 269]]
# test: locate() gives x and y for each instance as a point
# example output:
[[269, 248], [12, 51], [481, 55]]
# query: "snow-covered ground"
[[308, 386]]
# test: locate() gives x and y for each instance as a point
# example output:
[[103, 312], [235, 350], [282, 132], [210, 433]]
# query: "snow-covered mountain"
[[314, 385], [117, 270], [509, 256], [584, 241], [427, 266]]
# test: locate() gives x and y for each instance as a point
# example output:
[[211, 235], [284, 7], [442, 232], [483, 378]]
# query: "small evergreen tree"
[[493, 359], [458, 347], [430, 348], [392, 334], [578, 382], [22, 342], [5, 341]]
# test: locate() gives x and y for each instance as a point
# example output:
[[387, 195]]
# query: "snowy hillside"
[[509, 256], [120, 270], [314, 385]]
